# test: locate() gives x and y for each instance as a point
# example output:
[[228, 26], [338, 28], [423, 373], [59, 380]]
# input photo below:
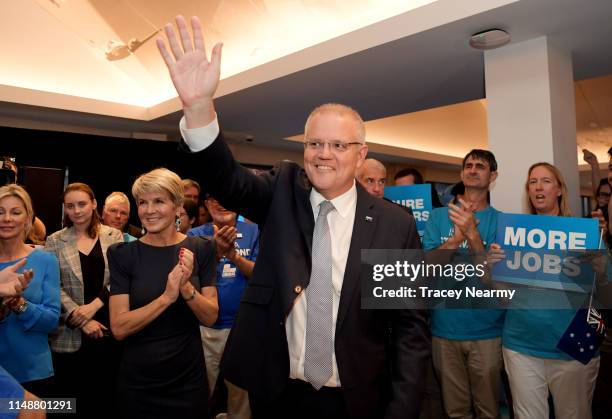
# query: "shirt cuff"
[[197, 139]]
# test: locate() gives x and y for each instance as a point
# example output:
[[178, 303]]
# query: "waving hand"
[[194, 76]]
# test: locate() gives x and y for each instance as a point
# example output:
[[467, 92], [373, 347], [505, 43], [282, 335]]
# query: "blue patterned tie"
[[319, 302]]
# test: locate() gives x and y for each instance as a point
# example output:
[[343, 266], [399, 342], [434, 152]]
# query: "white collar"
[[344, 203]]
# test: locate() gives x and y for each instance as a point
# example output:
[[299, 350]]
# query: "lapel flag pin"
[[369, 219]]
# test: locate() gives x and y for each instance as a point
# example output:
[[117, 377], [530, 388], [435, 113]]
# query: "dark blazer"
[[256, 355]]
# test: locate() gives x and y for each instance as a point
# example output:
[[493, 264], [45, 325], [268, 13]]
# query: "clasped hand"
[[179, 275], [94, 329], [466, 224], [83, 314]]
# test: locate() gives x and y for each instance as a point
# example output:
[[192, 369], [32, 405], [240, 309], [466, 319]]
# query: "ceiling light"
[[489, 39]]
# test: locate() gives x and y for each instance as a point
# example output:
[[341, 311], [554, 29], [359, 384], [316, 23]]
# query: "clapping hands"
[[225, 239], [12, 283], [466, 224], [179, 275]]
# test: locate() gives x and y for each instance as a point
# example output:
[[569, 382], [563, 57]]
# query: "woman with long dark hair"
[[84, 353]]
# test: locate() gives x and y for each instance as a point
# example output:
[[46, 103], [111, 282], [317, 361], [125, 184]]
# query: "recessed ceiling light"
[[489, 39]]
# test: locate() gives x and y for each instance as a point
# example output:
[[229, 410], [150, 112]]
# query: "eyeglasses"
[[337, 146], [604, 194]]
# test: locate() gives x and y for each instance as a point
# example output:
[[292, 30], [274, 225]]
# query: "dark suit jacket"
[[256, 355]]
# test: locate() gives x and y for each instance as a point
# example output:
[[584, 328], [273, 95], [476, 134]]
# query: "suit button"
[[297, 289]]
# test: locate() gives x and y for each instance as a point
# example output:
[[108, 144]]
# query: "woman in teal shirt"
[[535, 366], [24, 347]]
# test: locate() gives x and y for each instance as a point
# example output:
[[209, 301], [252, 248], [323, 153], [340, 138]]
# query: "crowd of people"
[[151, 321]]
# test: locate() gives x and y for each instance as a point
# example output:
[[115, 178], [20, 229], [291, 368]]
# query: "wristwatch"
[[192, 296], [20, 308]]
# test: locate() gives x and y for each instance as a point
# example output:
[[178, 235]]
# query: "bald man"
[[372, 175]]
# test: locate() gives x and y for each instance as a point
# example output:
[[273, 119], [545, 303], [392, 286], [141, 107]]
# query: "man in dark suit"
[[376, 358]]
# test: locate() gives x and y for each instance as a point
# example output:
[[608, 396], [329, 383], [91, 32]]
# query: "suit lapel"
[[71, 253], [304, 214], [105, 242], [366, 218]]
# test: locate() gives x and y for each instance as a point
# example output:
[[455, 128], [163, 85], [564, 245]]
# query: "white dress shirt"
[[340, 221]]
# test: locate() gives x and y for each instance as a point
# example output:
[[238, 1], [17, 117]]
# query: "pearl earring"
[[177, 222]]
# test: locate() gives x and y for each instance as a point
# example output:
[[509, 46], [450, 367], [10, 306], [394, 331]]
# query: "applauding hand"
[[186, 264], [225, 238], [463, 218], [13, 283]]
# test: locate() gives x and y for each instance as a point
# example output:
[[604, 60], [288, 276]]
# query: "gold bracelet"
[[20, 308]]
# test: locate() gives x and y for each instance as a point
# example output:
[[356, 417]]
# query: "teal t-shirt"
[[463, 324], [536, 332]]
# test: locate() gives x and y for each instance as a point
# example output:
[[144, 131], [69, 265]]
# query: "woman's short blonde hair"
[[158, 181], [21, 194], [564, 209]]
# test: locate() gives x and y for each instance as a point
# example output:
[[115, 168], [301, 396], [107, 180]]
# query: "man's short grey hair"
[[117, 196], [342, 110]]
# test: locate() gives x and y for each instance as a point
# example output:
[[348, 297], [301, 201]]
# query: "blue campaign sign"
[[417, 197], [546, 251]]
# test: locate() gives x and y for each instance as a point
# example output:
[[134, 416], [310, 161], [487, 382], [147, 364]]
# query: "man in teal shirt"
[[466, 344]]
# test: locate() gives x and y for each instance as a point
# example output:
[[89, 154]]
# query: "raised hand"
[[589, 157], [194, 76]]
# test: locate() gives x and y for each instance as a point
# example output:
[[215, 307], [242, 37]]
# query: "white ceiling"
[[394, 69], [78, 32]]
